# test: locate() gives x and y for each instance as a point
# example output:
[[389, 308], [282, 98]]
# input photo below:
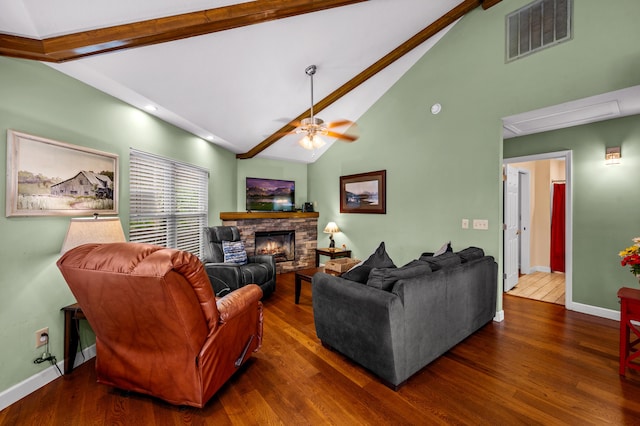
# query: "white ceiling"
[[238, 86]]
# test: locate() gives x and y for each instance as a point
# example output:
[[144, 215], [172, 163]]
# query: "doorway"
[[528, 211]]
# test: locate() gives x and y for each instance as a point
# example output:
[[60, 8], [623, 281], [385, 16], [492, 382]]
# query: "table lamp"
[[331, 229], [95, 229]]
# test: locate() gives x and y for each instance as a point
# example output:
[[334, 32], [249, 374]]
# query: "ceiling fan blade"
[[339, 123], [343, 136]]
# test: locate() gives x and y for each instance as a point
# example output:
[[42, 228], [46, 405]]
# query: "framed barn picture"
[[364, 193], [51, 178]]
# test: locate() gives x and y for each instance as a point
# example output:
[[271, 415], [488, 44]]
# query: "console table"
[[72, 316], [629, 311], [332, 253]]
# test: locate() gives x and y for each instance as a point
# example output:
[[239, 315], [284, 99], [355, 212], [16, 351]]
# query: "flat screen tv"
[[271, 195]]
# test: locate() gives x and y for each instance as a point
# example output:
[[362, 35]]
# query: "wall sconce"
[[86, 230], [331, 229], [612, 156]]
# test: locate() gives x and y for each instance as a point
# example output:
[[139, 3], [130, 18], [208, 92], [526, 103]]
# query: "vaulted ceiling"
[[228, 71]]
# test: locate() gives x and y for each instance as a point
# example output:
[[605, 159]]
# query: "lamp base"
[[332, 243]]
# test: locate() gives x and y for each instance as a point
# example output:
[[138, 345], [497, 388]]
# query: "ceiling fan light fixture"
[[313, 127], [311, 142]]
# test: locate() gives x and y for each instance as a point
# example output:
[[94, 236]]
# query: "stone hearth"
[[304, 224]]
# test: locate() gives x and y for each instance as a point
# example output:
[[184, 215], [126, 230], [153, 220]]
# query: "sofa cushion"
[[234, 252], [385, 278], [470, 253], [445, 260], [379, 259]]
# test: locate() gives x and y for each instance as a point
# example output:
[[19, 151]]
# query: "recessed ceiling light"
[[151, 108], [436, 108]]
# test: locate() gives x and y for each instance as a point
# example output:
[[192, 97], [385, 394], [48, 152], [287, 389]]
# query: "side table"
[[72, 316], [629, 311], [332, 253]]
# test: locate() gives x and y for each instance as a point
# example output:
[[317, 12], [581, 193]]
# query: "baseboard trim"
[[38, 380], [594, 310]]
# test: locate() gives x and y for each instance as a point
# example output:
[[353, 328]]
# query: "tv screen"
[[270, 195]]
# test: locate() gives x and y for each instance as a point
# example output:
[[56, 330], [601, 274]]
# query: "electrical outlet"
[[482, 224], [42, 337], [465, 223]]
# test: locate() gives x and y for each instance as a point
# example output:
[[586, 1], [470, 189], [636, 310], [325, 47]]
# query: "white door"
[[511, 215], [525, 225]]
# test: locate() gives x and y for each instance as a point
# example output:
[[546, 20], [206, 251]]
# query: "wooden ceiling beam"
[[441, 23], [486, 4], [145, 33]]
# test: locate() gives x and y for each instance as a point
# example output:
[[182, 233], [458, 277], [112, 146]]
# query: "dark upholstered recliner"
[[225, 277], [159, 329]]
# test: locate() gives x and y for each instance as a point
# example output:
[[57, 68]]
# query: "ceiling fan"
[[314, 127]]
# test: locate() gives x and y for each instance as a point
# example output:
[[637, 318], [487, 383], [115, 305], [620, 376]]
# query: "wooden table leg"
[[298, 283], [72, 316], [70, 341]]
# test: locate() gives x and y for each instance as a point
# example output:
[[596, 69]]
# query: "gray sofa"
[[401, 319]]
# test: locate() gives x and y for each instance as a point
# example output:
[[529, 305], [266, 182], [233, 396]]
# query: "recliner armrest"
[[262, 258], [223, 276], [236, 302]]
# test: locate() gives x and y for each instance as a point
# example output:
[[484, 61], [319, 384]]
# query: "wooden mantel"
[[266, 215]]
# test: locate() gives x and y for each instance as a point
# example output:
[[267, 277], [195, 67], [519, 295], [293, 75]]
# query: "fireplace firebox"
[[280, 244]]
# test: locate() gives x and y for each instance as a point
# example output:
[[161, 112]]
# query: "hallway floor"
[[544, 286]]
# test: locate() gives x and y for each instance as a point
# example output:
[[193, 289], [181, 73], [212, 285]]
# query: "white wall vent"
[[538, 25]]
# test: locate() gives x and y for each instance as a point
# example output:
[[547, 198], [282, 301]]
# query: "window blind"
[[168, 202]]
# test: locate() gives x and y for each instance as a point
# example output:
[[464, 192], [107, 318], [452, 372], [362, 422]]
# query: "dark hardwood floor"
[[541, 365]]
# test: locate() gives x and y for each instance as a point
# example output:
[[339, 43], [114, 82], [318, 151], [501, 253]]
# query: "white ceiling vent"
[[538, 25]]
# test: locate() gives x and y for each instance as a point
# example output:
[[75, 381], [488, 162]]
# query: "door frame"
[[568, 255]]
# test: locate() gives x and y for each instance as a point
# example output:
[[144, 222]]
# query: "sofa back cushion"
[[470, 253], [445, 260], [385, 278]]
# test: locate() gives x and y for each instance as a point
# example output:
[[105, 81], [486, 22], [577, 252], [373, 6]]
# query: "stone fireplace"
[[303, 224], [280, 244]]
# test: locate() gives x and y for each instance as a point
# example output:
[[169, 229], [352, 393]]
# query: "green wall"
[[605, 199], [38, 100], [442, 168]]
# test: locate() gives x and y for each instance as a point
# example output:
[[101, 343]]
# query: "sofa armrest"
[[364, 323]]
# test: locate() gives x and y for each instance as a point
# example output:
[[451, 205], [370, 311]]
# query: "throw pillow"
[[470, 253], [379, 259], [234, 252], [446, 248], [385, 278], [445, 260]]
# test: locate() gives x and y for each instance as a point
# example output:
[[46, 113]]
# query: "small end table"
[[332, 253], [629, 311], [307, 275], [72, 316]]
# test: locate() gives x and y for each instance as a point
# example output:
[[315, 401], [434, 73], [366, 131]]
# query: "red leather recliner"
[[159, 328]]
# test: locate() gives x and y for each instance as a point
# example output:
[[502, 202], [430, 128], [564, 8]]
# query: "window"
[[167, 202], [541, 24]]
